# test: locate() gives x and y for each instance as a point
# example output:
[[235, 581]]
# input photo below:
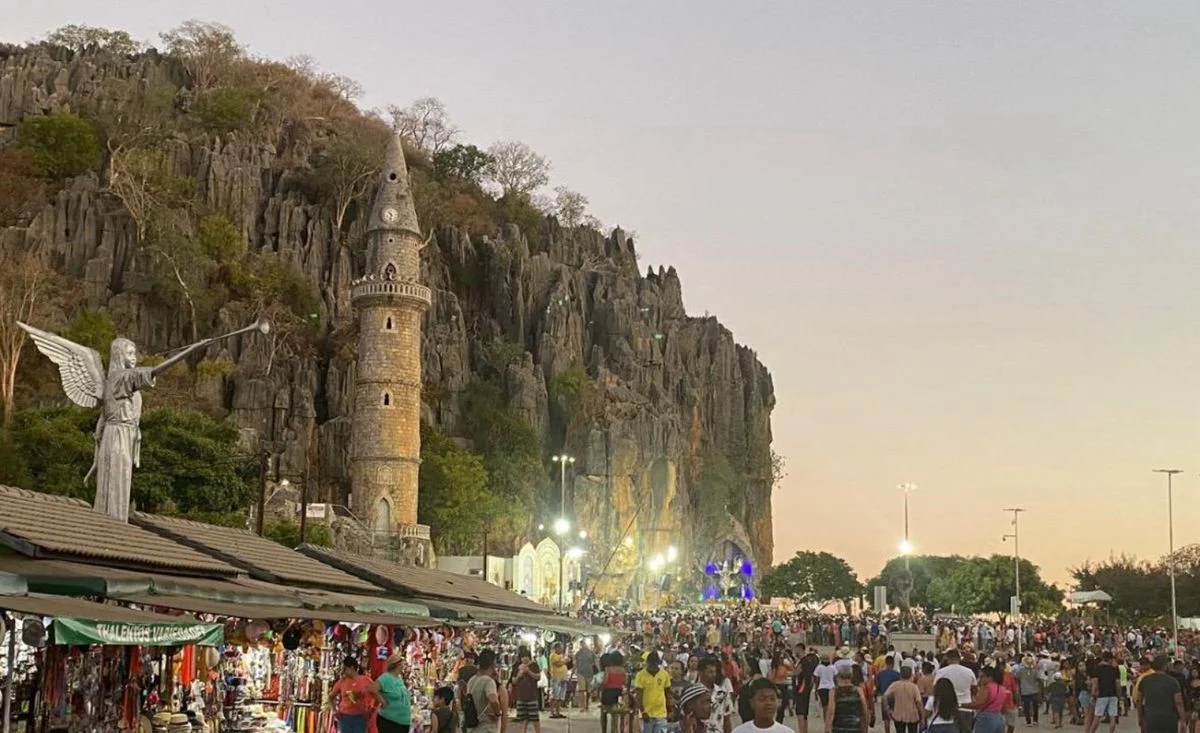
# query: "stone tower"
[[390, 301]]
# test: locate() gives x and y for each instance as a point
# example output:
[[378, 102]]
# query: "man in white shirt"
[[964, 682], [826, 676]]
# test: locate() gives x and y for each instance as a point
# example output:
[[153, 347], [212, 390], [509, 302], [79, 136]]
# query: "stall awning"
[[485, 615], [252, 611], [77, 621]]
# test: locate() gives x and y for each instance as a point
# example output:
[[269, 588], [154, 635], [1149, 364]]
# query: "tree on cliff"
[[516, 169], [812, 577], [80, 37], [27, 288], [208, 51], [425, 124], [64, 145], [570, 207], [344, 173]]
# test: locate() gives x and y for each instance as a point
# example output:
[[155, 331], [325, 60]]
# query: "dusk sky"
[[962, 235]]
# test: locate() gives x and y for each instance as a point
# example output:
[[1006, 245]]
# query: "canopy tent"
[[1088, 596]]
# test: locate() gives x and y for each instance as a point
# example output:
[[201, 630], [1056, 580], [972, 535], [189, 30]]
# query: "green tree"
[[1140, 590], [63, 145], [985, 584], [510, 447], [52, 450], [518, 209], [466, 162], [812, 577], [225, 109], [92, 327], [189, 460], [343, 174], [220, 240], [924, 569], [454, 500], [287, 533], [192, 460], [79, 37]]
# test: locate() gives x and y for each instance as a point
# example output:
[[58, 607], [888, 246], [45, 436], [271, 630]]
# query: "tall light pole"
[[1016, 538], [1171, 553], [561, 527], [562, 461]]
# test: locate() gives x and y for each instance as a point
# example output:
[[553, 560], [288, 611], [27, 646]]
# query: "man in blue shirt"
[[883, 680]]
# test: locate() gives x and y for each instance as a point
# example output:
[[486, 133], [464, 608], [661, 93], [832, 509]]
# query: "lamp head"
[[561, 526]]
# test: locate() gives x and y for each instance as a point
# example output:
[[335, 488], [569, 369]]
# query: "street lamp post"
[[1170, 472], [562, 461], [561, 527], [1016, 538]]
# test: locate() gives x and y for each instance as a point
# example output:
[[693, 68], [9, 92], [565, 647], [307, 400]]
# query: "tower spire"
[[390, 303], [393, 207]]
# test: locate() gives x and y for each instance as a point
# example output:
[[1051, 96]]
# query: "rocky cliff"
[[665, 391]]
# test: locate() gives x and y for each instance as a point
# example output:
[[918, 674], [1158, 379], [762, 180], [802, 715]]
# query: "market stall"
[[95, 666]]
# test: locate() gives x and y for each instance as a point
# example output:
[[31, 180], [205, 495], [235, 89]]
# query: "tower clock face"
[[389, 215]]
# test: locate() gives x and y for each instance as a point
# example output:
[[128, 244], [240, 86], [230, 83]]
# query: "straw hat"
[[396, 660]]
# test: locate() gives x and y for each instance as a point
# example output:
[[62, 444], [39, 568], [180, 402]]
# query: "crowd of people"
[[979, 675], [748, 669]]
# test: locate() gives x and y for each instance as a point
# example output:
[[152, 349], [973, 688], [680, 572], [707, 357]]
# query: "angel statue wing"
[[79, 367]]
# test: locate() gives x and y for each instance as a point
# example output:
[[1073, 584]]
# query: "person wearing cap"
[[695, 707], [395, 716], [1056, 694]]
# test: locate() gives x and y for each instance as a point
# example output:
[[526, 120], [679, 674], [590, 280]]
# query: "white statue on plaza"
[[118, 435]]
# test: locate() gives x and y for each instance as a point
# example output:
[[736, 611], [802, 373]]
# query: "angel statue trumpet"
[[118, 437]]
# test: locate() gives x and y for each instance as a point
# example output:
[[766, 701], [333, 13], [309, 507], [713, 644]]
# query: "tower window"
[[387, 399], [389, 272], [388, 326], [392, 176]]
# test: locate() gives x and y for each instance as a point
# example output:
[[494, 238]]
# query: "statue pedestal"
[[907, 641]]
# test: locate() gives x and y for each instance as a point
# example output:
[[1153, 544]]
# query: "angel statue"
[[118, 437]]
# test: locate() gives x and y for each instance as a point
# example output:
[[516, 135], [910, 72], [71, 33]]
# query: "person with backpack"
[[485, 702]]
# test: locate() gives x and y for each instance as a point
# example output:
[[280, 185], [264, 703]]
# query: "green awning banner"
[[78, 632]]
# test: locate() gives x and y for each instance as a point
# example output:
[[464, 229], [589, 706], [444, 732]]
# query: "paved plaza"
[[589, 722]]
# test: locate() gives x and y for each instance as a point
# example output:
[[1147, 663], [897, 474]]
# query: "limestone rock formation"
[[668, 390]]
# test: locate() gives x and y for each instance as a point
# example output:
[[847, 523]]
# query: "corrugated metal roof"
[[252, 611], [48, 526], [68, 607], [260, 557], [426, 583]]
